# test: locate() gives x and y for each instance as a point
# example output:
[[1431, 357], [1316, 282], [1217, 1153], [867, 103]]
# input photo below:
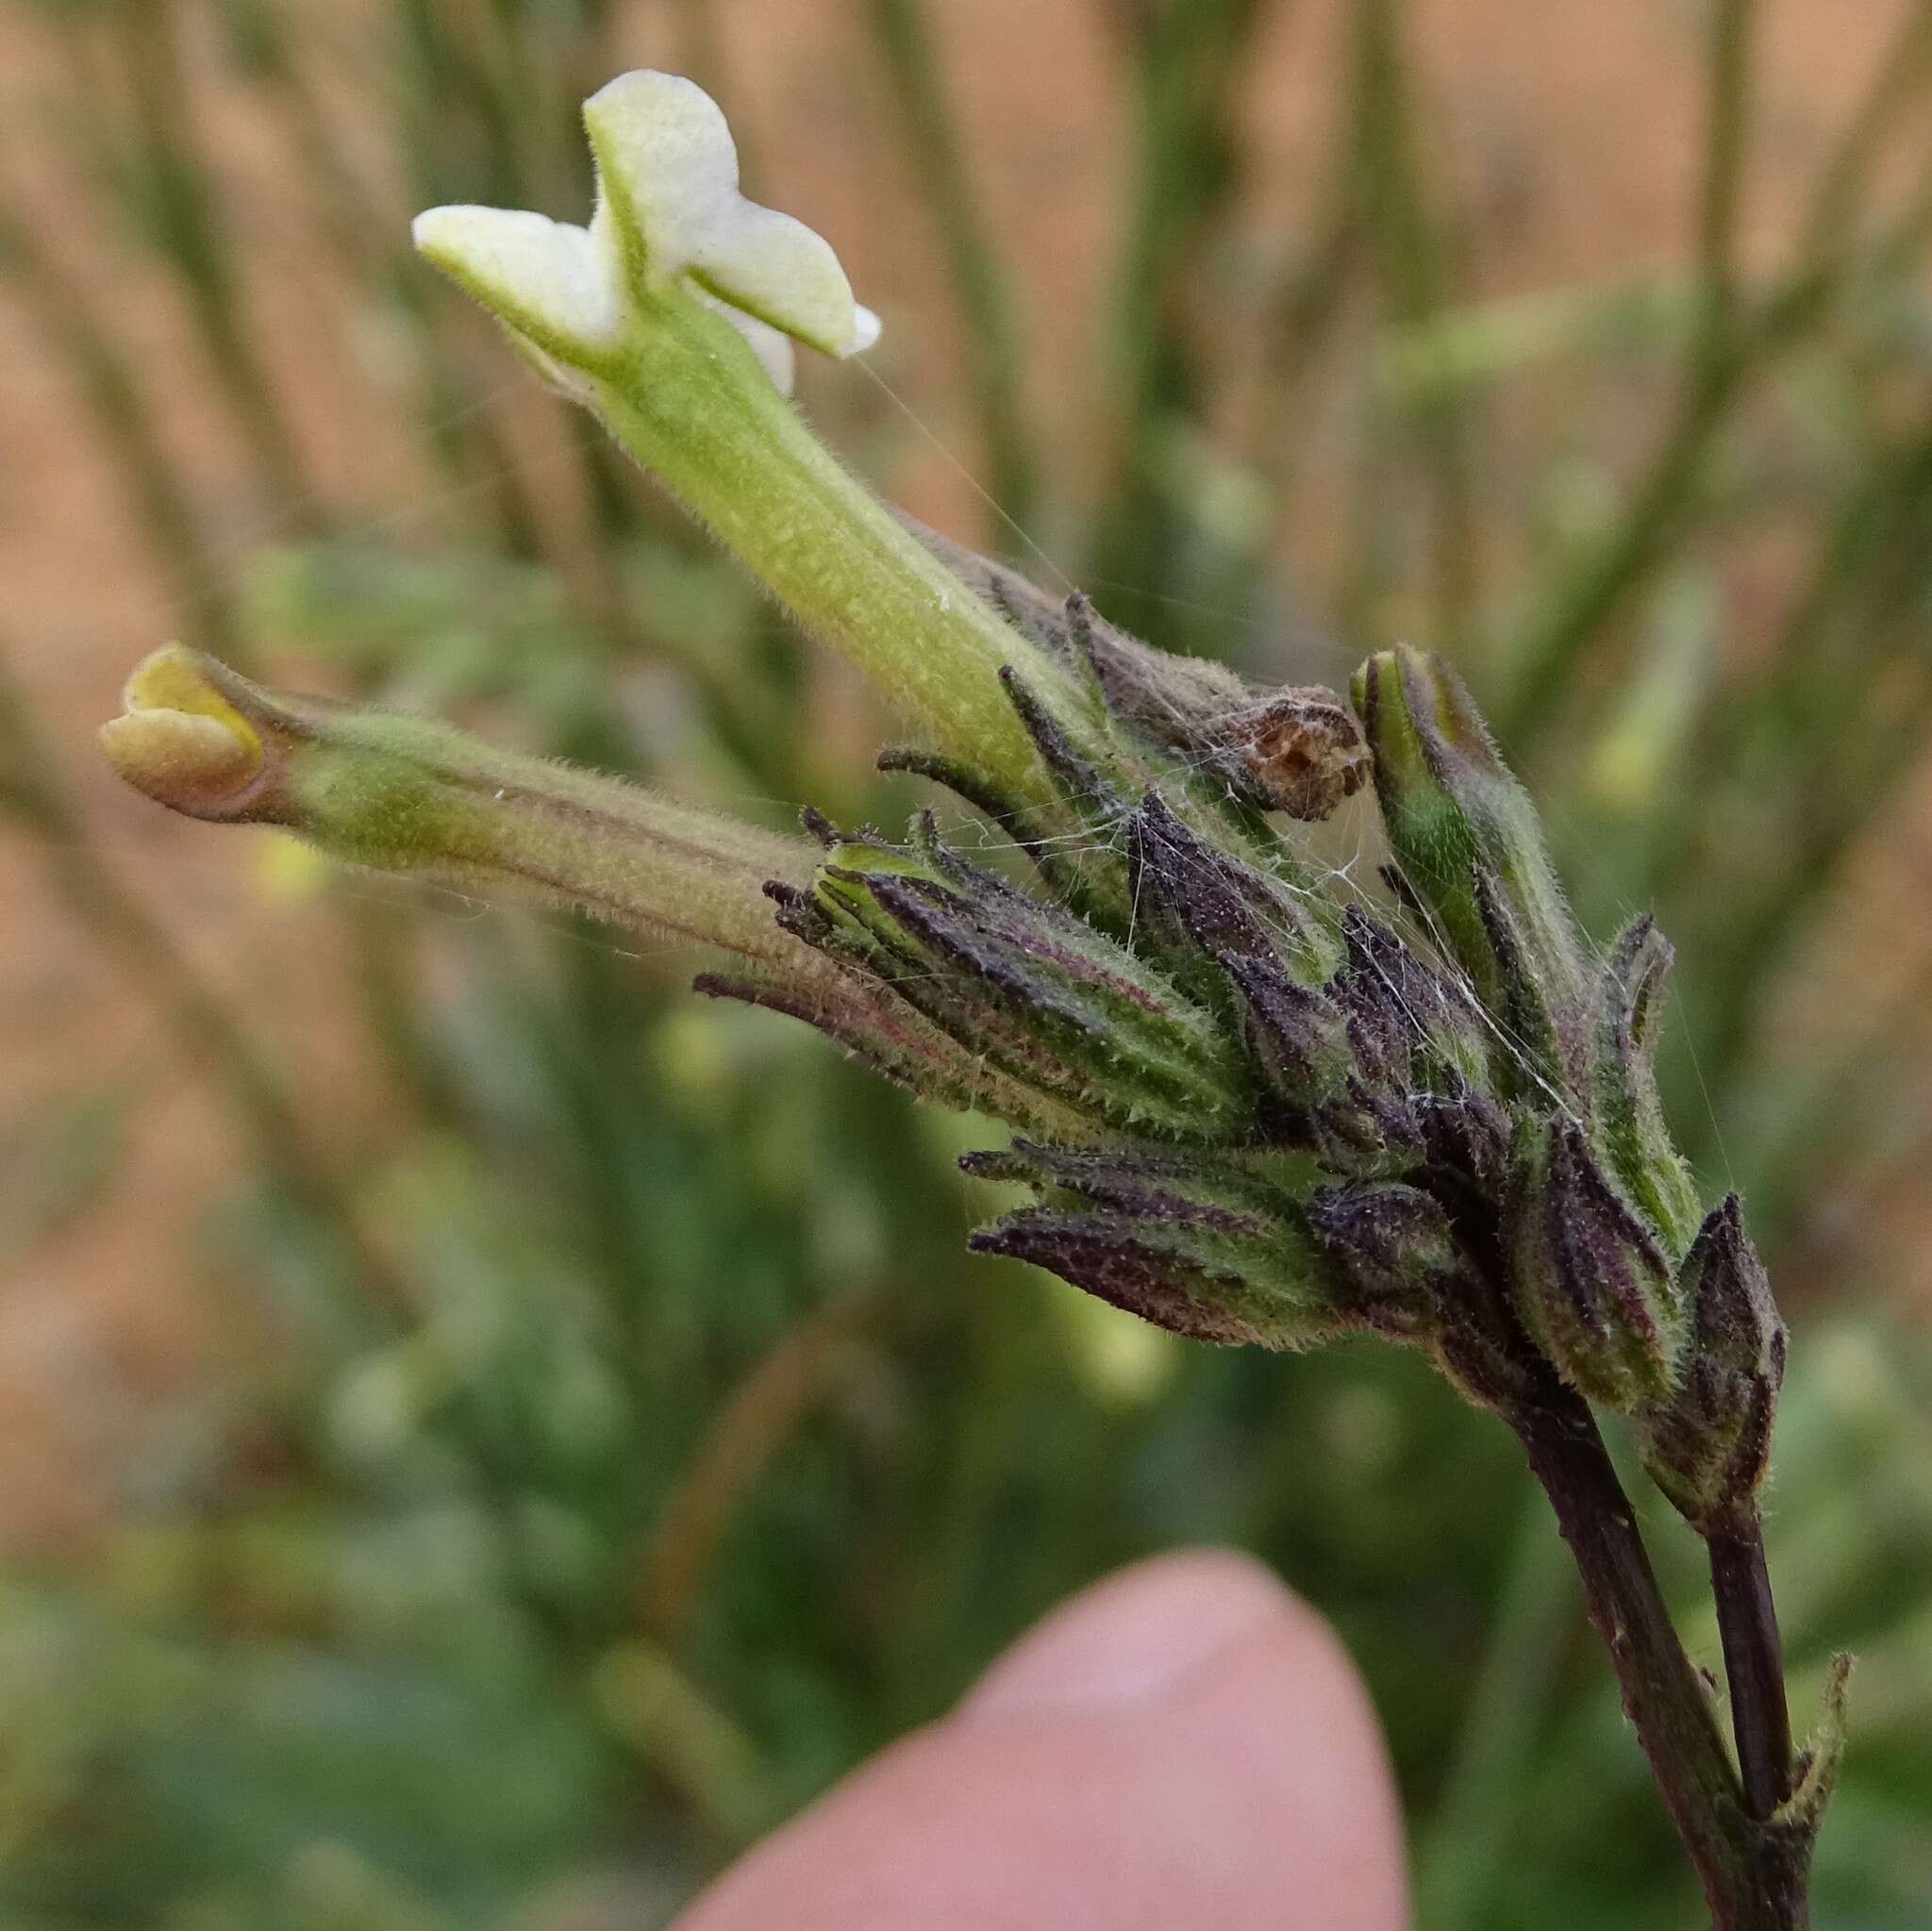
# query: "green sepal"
[[1471, 851], [1707, 1444], [1630, 1127], [1046, 997], [1193, 1243], [1589, 1280]]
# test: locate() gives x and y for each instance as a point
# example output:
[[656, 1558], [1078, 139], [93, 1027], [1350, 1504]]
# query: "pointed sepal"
[[1629, 1112], [1471, 851], [1707, 1443], [1187, 1242], [1590, 1282], [1048, 999]]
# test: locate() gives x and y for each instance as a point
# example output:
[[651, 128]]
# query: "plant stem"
[[1754, 1661], [1662, 1696], [1752, 1868]]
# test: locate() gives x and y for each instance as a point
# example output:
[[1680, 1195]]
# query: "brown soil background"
[[1568, 129]]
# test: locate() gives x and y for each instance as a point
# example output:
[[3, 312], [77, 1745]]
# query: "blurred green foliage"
[[636, 1448]]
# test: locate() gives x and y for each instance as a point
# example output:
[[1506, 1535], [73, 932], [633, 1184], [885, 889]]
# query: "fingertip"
[[1186, 1742], [1139, 1634]]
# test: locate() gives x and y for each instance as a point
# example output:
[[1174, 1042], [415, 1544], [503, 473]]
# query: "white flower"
[[668, 208]]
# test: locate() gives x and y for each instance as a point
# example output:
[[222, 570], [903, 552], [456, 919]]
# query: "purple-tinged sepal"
[[1046, 998], [1193, 1243], [1412, 1028], [1396, 1249], [1589, 1280], [1312, 1095], [1193, 897], [1707, 1444]]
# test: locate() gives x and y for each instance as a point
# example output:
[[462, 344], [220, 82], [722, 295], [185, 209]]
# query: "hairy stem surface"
[[1752, 1869]]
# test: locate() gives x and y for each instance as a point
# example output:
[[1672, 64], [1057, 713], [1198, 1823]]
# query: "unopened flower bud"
[[1376, 1068], [1590, 1282], [1314, 1096], [1227, 927], [1466, 838], [1191, 1244], [1707, 1444], [1411, 1028], [1201, 900], [409, 794], [1395, 1248], [1045, 997]]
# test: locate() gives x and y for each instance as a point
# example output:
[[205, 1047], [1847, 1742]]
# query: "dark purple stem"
[[1754, 1661], [1752, 1868]]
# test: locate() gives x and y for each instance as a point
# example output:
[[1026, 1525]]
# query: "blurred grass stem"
[[189, 225], [981, 291], [106, 372], [760, 1412], [1740, 339], [1409, 251], [1468, 1837], [1728, 123]]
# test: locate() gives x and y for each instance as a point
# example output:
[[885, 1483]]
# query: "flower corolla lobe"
[[670, 217]]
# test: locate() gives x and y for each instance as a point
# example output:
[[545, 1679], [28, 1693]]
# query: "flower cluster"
[[1250, 1110], [1248, 1107], [1299, 1116]]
